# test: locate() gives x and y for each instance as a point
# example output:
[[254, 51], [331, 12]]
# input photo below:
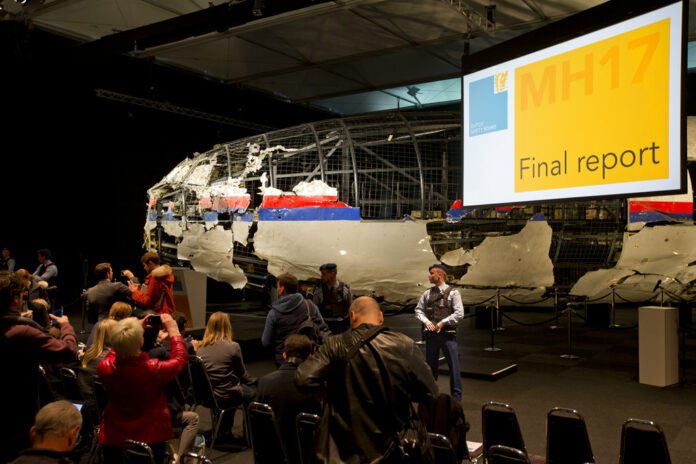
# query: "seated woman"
[[93, 356], [222, 358], [135, 385], [119, 310]]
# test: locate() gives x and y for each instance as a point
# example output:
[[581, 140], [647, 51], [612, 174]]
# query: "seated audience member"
[[118, 311], [222, 358], [137, 402], [6, 262], [91, 359], [159, 281], [53, 435], [287, 314], [103, 295], [23, 345], [181, 321], [278, 390]]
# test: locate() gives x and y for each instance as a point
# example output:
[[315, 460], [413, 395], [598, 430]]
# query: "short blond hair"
[[57, 419], [127, 337]]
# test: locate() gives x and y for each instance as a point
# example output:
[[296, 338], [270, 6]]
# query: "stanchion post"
[[494, 316], [555, 325], [85, 303], [569, 355], [498, 316], [662, 296], [613, 324]]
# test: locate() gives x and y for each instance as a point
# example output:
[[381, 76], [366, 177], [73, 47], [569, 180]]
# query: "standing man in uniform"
[[440, 309], [333, 299]]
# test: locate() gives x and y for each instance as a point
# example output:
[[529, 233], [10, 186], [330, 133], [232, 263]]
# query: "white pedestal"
[[658, 345], [190, 295]]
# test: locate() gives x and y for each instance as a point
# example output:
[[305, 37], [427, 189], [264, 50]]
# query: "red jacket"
[[137, 406], [159, 296]]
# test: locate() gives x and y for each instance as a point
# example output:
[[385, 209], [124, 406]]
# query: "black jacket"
[[362, 418], [103, 295], [42, 456], [278, 390]]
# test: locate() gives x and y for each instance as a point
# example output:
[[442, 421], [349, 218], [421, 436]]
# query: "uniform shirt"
[[318, 297], [51, 270], [454, 299]]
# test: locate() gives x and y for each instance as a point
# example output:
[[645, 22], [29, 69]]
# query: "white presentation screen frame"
[[561, 118]]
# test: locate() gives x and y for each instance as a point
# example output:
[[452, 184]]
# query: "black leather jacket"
[[358, 412]]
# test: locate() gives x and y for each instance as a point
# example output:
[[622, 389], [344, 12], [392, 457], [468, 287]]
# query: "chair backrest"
[[643, 441], [567, 441], [137, 452], [501, 454], [307, 425], [46, 393], [446, 416], [200, 381], [193, 458], [444, 454], [70, 386], [101, 397], [500, 427], [264, 434]]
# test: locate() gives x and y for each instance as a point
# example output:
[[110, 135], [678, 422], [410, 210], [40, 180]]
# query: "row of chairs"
[[567, 439]]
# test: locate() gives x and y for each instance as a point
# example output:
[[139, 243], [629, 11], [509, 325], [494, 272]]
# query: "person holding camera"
[[159, 281], [105, 293], [140, 414]]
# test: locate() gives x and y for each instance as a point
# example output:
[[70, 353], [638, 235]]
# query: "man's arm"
[[420, 307], [151, 297], [310, 375], [458, 314], [50, 272], [317, 313], [268, 330], [122, 292], [318, 296], [47, 348], [422, 386]]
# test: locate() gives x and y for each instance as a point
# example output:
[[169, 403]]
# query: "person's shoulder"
[[162, 272]]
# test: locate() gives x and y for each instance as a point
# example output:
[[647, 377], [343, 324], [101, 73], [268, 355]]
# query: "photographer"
[[140, 414], [105, 293]]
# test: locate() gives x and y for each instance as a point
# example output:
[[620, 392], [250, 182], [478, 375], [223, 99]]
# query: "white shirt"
[[454, 299]]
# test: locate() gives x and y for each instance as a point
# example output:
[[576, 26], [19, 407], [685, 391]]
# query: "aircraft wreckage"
[[377, 195]]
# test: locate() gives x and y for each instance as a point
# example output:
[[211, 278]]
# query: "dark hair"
[[289, 282], [150, 256], [180, 319], [11, 286], [298, 346], [46, 253], [101, 270]]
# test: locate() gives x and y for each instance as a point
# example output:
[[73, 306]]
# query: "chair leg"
[[216, 427]]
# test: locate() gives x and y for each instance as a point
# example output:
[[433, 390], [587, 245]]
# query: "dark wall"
[[75, 168]]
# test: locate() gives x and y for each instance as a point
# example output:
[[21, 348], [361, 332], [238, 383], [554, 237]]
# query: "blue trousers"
[[448, 344]]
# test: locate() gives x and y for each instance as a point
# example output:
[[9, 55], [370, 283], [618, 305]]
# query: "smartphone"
[[58, 313], [155, 321]]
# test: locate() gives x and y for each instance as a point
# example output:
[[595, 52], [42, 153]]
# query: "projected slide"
[[595, 116]]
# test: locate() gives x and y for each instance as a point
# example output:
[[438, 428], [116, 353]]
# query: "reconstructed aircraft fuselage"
[[377, 195]]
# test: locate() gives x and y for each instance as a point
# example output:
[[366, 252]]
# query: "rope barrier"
[[555, 317], [479, 303], [634, 302], [525, 303]]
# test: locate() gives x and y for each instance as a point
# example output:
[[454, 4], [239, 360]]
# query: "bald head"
[[365, 310]]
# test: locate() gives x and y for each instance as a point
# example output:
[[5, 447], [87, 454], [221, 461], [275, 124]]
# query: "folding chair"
[[307, 425], [444, 453], [500, 427], [137, 452], [501, 454], [643, 441], [264, 435], [567, 441], [204, 395], [46, 393], [70, 387]]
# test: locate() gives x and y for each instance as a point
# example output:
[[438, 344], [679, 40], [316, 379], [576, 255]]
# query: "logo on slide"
[[488, 104]]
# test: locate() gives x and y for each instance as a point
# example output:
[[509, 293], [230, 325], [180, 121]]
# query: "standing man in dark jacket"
[[278, 390], [333, 299], [105, 293], [361, 415], [23, 345], [287, 314], [159, 295]]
